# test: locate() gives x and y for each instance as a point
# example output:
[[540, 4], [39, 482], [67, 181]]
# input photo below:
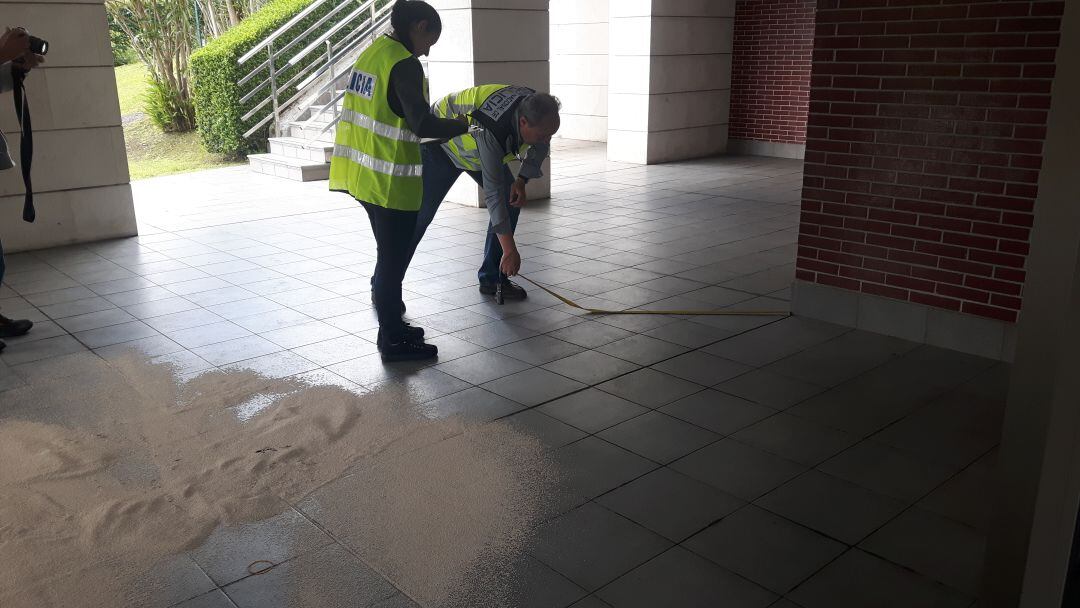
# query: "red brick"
[[1031, 132], [970, 241], [804, 275], [984, 130], [1036, 117], [944, 223], [909, 55], [1002, 301], [912, 257], [989, 100], [1009, 175], [1014, 247], [920, 207], [889, 190], [1004, 202], [962, 293], [940, 276], [947, 196], [915, 232], [1021, 190], [895, 217], [1001, 231], [966, 267], [980, 158], [867, 225], [936, 301], [977, 185], [925, 154], [819, 243], [862, 274], [1010, 274], [864, 250], [843, 234], [997, 259], [1001, 314], [886, 266], [913, 283], [969, 26], [992, 285], [1025, 220], [973, 213], [940, 12], [892, 242], [1048, 8], [885, 291], [1030, 24], [841, 282], [922, 180], [1014, 9], [868, 200], [817, 266]]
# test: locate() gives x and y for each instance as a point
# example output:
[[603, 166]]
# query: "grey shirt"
[[498, 178]]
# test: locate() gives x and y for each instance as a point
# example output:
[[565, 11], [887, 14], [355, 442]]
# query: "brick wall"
[[770, 72], [924, 144]]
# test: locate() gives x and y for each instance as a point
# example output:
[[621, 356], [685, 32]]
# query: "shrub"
[[217, 94], [161, 33]]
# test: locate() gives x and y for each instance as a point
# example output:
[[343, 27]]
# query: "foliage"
[[122, 52], [216, 75], [161, 32], [219, 16]]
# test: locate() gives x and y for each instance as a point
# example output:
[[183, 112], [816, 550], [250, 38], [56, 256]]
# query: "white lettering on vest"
[[362, 84]]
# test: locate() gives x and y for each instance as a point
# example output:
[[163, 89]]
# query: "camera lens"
[[39, 46]]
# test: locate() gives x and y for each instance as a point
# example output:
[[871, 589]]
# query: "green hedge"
[[215, 74]]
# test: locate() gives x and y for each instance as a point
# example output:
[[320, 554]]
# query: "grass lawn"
[[151, 152]]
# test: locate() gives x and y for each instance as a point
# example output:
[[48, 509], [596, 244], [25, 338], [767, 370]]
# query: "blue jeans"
[[440, 173]]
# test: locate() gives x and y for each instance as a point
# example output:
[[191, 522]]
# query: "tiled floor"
[[735, 461]]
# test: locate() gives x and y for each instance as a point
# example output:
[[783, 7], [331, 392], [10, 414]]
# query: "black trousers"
[[393, 231]]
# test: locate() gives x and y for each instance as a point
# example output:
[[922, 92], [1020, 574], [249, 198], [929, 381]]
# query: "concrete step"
[[304, 149], [311, 130], [296, 169]]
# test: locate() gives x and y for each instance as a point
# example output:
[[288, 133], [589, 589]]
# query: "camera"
[[39, 46]]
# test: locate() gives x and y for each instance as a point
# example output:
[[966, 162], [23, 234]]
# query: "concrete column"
[[80, 164], [486, 42], [579, 66], [1040, 450], [670, 84]]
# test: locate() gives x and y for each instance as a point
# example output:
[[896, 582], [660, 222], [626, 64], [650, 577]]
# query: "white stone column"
[[80, 166], [670, 83], [487, 42], [579, 66]]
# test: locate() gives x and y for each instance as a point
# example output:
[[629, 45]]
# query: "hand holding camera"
[[25, 51]]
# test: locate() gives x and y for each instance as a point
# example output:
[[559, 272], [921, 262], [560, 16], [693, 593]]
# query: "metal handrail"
[[374, 22], [280, 31]]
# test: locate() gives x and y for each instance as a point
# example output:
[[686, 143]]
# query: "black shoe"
[[414, 333], [10, 328], [408, 350], [510, 289]]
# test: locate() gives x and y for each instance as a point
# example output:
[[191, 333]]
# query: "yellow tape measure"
[[717, 313]]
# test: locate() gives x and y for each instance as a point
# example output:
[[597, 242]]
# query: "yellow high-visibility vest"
[[376, 157]]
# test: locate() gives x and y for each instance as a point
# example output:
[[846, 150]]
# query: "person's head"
[[538, 118], [416, 25]]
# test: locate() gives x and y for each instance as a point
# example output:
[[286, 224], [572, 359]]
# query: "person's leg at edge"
[[489, 274], [10, 328]]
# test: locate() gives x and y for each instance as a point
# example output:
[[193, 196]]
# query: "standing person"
[[14, 55], [509, 123], [377, 158]]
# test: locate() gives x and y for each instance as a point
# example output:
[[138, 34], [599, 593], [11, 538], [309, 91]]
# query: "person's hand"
[[518, 198], [14, 43], [511, 263], [29, 61]]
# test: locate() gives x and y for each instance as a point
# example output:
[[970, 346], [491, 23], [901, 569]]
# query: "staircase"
[[303, 152], [303, 124]]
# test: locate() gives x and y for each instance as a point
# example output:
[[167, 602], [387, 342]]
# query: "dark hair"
[[538, 106], [407, 12]]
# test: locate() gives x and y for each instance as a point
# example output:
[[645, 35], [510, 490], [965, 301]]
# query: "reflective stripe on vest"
[[385, 130], [382, 166], [376, 157]]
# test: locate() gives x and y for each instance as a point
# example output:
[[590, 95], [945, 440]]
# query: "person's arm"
[[6, 81], [407, 84], [497, 181]]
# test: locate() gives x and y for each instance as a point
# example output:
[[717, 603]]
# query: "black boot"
[[405, 348], [510, 290], [10, 328]]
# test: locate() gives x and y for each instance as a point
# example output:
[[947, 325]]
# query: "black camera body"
[[39, 46]]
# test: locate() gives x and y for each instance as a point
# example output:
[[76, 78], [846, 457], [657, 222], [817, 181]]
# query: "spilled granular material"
[[111, 469]]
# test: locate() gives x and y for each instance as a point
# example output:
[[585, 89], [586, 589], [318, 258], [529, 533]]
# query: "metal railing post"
[[374, 14], [333, 76], [274, 90]]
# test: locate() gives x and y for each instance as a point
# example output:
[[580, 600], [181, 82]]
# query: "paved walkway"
[[704, 461]]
